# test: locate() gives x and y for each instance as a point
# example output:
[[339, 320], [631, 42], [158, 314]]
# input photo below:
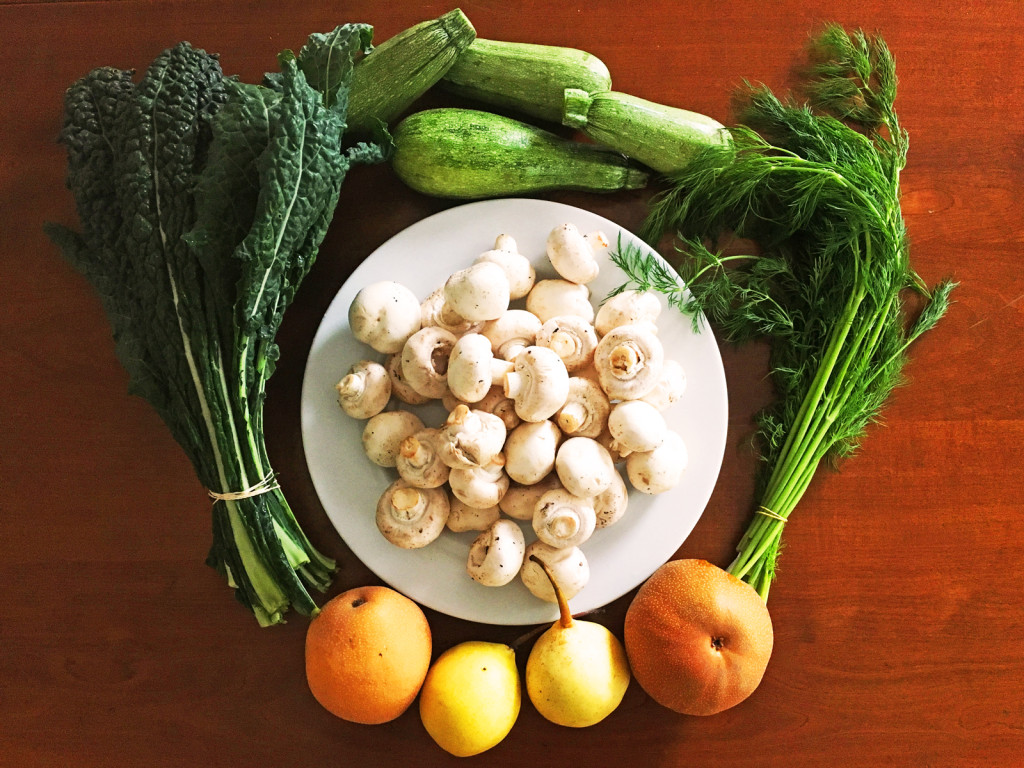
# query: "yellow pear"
[[471, 697], [577, 672]]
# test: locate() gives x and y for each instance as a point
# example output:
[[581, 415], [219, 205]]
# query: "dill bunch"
[[816, 186]]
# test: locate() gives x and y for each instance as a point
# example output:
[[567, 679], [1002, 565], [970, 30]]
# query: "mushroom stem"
[[564, 616]]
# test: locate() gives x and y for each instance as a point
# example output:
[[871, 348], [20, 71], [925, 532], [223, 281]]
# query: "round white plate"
[[348, 484]]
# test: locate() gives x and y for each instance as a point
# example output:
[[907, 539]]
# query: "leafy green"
[[815, 187], [203, 201]]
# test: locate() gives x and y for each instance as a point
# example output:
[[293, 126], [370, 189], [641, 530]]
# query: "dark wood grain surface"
[[897, 610]]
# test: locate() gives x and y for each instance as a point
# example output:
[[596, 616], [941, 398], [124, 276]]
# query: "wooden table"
[[897, 609]]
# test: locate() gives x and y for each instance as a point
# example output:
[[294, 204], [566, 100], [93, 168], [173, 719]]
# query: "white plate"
[[348, 484]]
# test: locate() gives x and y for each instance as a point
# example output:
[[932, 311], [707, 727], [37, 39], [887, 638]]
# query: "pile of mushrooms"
[[544, 397]]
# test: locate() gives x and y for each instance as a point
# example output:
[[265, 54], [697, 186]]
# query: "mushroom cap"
[[462, 517], [563, 519], [530, 451], [572, 255], [411, 517], [629, 360], [399, 386], [470, 437], [584, 466], [509, 334], [496, 555], [585, 413], [384, 433], [670, 387], [478, 292], [628, 308], [572, 338], [568, 566], [425, 360], [538, 383], [518, 269], [472, 369], [418, 461], [611, 503], [520, 501], [384, 314], [365, 390], [636, 426], [555, 296], [659, 470], [480, 486], [434, 311]]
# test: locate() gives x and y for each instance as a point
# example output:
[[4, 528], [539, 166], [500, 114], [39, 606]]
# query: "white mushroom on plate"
[[629, 360], [434, 311], [530, 451], [670, 387], [563, 519], [584, 466], [518, 269], [481, 486], [418, 461], [586, 409], [555, 296], [479, 292], [473, 369], [520, 501], [400, 388], [659, 470], [384, 433], [411, 517], [573, 255], [462, 517], [636, 426], [628, 308], [425, 360], [568, 566], [511, 333], [365, 390], [572, 338], [496, 555], [383, 315], [611, 503], [470, 438], [538, 383]]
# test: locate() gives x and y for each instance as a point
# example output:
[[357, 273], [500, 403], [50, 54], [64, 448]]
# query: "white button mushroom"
[[550, 298], [384, 433], [434, 311], [511, 333], [568, 566], [418, 461], [629, 360], [636, 426], [384, 315], [482, 486], [563, 519], [462, 517], [610, 505], [496, 555], [572, 338], [470, 438], [472, 368], [365, 390], [520, 501], [477, 293], [628, 308], [411, 517], [573, 255], [400, 388], [659, 470], [584, 466], [538, 383], [670, 387], [425, 360], [585, 413], [530, 451], [518, 269]]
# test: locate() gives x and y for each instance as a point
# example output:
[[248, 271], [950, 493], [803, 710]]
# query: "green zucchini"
[[663, 138], [401, 69], [524, 77], [469, 154]]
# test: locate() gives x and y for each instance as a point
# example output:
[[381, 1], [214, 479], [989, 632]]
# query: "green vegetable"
[[465, 153], [817, 188], [203, 201], [663, 138], [524, 77], [403, 68]]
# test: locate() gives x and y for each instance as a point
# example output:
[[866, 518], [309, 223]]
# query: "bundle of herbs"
[[815, 186], [203, 201]]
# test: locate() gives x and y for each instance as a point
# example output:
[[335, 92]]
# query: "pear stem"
[[565, 617]]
